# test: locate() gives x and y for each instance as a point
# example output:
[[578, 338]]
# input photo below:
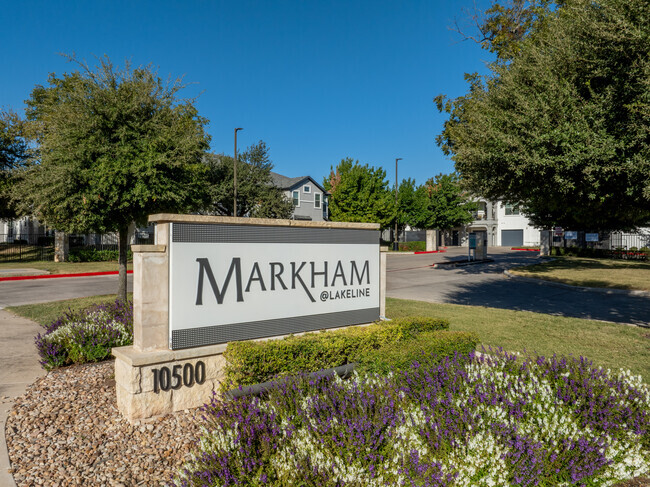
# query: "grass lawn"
[[609, 345], [45, 313], [64, 267], [580, 271]]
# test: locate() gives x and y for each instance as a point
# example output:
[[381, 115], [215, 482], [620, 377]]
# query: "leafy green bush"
[[431, 346], [616, 253], [413, 246], [94, 255], [253, 362]]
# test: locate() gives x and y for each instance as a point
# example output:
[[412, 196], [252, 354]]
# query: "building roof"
[[286, 183]]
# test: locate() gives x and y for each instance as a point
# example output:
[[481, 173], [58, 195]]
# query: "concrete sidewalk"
[[19, 368]]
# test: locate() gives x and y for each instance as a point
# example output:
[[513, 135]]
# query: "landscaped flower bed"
[[489, 420], [87, 335]]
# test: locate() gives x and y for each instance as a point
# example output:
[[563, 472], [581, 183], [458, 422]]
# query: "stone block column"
[[431, 240], [61, 247], [150, 297], [545, 243], [382, 282]]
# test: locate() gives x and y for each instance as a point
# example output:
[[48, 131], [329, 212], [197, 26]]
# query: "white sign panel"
[[222, 290]]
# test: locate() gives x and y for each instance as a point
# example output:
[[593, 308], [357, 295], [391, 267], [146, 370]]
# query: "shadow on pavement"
[[542, 297]]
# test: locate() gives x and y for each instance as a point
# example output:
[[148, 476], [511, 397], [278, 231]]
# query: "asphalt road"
[[31, 291], [412, 277]]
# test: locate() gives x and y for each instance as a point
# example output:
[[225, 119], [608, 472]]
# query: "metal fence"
[[629, 241], [616, 245], [40, 246]]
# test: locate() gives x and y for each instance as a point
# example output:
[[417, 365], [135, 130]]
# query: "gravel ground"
[[66, 430]]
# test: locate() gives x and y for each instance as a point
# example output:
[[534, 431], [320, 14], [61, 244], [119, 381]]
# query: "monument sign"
[[211, 280]]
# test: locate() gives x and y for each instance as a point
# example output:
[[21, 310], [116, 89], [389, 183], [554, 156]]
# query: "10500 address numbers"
[[186, 375]]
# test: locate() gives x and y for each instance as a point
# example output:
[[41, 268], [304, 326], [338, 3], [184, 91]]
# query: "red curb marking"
[[51, 276], [527, 250], [429, 251]]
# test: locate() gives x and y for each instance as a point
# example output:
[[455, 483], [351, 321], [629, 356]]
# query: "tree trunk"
[[123, 244]]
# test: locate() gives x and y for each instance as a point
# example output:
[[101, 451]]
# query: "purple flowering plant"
[[488, 419], [86, 335]]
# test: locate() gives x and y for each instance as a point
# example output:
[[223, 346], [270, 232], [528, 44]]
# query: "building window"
[[306, 189], [296, 198], [316, 200], [511, 209]]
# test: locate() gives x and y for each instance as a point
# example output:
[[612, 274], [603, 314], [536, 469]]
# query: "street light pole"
[[396, 244], [234, 212]]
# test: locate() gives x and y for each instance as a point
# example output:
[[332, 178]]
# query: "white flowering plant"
[[86, 336], [491, 419]]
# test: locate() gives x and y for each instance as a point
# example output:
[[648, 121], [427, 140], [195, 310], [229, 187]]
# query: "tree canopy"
[[563, 128], [256, 194], [444, 204], [14, 154], [501, 27], [359, 194], [115, 145], [410, 205]]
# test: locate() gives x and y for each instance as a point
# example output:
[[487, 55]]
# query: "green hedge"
[[418, 246], [93, 255], [427, 346], [253, 362], [617, 253]]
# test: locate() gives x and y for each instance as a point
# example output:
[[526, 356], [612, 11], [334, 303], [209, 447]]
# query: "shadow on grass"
[[540, 297]]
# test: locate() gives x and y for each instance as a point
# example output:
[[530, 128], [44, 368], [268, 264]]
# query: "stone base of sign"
[[134, 377], [134, 380]]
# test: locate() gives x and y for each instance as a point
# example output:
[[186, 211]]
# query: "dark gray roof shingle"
[[286, 183]]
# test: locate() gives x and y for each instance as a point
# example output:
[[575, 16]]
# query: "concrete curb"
[[19, 368], [6, 478], [601, 290], [55, 276]]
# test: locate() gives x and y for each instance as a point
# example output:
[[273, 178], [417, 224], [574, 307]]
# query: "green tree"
[[359, 194], [116, 144], [256, 194], [14, 155], [411, 205], [445, 204], [500, 28], [563, 129]]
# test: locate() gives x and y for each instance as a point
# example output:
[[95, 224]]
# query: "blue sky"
[[316, 80]]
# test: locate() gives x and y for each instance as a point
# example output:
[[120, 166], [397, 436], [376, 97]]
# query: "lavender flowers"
[[86, 336], [493, 419]]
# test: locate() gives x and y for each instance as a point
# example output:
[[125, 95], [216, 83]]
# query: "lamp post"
[[234, 162], [396, 244]]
